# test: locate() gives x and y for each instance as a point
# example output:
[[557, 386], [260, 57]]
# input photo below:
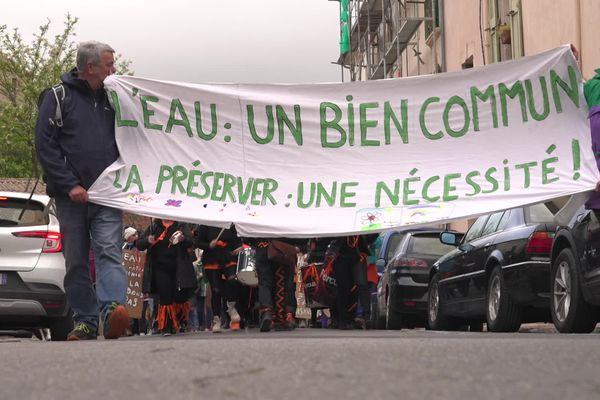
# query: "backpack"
[[57, 122], [59, 94]]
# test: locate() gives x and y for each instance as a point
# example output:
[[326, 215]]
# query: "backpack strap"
[[59, 95]]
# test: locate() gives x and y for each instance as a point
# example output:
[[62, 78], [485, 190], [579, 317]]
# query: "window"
[[428, 244], [506, 29], [475, 230], [21, 212], [538, 213], [492, 223], [516, 31], [505, 220], [429, 13], [393, 243]]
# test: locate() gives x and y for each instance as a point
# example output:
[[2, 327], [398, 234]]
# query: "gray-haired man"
[[73, 155]]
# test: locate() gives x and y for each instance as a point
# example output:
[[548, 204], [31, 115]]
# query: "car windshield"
[[428, 244], [538, 213], [20, 212], [394, 245]]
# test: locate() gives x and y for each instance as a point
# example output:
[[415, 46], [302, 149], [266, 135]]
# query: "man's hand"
[[78, 194], [575, 52]]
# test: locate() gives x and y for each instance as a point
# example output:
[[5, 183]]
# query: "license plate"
[[3, 278]]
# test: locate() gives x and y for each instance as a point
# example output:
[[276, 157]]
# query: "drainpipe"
[[443, 34]]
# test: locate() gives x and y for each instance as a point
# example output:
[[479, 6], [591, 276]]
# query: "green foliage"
[[25, 70]]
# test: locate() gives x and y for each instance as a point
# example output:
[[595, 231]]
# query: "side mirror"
[[450, 238]]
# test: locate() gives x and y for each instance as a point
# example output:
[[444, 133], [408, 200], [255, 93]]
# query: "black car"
[[575, 275], [499, 272], [402, 289]]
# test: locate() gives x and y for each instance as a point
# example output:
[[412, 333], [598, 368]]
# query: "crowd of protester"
[[190, 285]]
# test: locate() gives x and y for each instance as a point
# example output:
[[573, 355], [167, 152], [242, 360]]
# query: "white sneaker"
[[216, 328], [233, 314]]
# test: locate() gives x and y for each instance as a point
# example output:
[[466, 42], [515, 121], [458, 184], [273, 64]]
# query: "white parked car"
[[32, 267]]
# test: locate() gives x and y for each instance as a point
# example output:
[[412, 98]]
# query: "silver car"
[[32, 266]]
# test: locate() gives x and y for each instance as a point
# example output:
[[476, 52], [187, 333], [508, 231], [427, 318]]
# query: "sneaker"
[[290, 322], [182, 326], [216, 328], [266, 320], [82, 331], [116, 321], [234, 316], [360, 323]]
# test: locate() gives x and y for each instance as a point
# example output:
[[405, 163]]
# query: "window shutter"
[[516, 29], [494, 55]]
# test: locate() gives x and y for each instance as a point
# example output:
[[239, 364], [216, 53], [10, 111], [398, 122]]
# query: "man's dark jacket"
[[77, 153]]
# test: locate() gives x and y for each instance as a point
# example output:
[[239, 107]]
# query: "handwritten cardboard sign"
[[133, 262]]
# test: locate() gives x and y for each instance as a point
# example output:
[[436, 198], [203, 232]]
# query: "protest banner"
[[346, 158]]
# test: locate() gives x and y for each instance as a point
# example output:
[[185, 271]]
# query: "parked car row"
[[510, 267]]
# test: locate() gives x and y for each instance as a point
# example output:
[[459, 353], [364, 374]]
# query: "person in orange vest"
[[169, 271], [220, 248]]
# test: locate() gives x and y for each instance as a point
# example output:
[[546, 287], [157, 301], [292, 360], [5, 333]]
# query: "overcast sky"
[[254, 41]]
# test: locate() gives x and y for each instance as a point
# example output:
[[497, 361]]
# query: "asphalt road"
[[307, 364]]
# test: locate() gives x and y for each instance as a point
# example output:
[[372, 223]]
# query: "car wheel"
[[570, 312], [393, 320], [502, 314], [60, 327], [436, 320]]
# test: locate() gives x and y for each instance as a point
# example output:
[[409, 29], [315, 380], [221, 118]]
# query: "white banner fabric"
[[345, 158]]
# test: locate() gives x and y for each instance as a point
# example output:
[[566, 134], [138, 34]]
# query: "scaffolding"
[[383, 33]]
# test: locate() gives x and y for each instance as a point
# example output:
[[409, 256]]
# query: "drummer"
[[276, 288], [220, 249], [316, 248]]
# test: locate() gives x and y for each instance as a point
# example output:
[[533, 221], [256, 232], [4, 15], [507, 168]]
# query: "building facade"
[[399, 38]]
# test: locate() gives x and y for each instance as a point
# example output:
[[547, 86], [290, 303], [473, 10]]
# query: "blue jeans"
[[82, 224]]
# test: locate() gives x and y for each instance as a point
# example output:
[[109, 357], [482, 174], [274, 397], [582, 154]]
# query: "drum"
[[246, 267], [312, 284]]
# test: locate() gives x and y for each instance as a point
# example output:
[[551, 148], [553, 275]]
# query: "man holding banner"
[[75, 142], [591, 90]]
